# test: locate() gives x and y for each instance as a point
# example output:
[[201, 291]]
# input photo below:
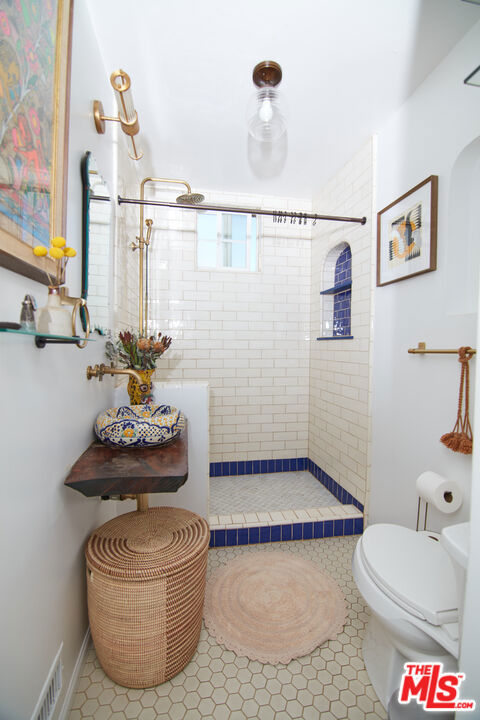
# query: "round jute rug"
[[273, 606]]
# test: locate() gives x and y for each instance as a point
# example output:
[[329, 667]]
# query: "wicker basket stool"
[[145, 588]]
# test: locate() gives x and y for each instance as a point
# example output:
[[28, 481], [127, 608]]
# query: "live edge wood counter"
[[103, 470]]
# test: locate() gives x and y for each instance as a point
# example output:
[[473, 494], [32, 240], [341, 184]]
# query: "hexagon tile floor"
[[330, 684]]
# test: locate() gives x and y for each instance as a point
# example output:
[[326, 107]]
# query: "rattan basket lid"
[[142, 545]]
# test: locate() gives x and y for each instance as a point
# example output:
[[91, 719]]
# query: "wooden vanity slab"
[[103, 470]]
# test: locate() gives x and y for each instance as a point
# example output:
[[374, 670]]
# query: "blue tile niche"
[[342, 296]]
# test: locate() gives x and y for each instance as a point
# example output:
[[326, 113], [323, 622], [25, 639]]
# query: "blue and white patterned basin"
[[139, 425]]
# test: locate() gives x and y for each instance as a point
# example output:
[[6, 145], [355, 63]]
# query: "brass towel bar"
[[422, 350]]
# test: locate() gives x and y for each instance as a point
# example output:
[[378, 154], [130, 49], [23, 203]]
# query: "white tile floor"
[[329, 684], [267, 492]]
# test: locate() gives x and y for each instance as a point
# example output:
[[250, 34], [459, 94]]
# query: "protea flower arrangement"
[[139, 353]]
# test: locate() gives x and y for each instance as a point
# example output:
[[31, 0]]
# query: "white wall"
[[48, 409], [415, 397], [339, 418]]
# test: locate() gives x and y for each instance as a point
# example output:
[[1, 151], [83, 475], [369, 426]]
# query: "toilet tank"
[[456, 541]]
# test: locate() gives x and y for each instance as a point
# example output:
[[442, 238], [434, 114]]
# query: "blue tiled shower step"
[[228, 537]]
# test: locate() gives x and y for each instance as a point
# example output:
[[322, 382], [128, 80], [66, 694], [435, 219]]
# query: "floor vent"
[[51, 690]]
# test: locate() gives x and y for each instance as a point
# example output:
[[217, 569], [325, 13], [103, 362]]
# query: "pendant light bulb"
[[266, 122], [266, 111]]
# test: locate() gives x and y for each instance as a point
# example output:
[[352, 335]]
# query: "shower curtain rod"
[[278, 215]]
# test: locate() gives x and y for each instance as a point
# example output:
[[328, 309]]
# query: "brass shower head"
[[190, 198]]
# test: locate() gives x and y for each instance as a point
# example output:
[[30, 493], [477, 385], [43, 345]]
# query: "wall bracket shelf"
[[42, 339]]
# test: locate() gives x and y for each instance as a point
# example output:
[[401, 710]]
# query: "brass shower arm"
[[159, 180], [142, 243]]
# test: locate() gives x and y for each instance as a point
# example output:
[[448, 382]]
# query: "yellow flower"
[[56, 253], [58, 242], [69, 252], [40, 250]]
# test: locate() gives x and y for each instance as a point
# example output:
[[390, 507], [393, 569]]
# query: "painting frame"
[[16, 254], [407, 234]]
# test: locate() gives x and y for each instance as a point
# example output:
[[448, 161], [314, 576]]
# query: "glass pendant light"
[[266, 122]]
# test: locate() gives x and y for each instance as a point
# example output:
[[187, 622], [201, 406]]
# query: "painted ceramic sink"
[[139, 426]]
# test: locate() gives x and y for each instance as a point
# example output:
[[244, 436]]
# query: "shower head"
[[190, 198]]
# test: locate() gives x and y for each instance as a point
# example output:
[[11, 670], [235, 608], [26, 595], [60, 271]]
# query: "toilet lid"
[[413, 570]]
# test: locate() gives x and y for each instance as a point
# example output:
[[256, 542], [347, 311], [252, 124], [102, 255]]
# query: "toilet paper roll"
[[445, 495]]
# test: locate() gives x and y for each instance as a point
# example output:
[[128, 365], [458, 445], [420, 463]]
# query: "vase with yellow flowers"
[[140, 354], [54, 318]]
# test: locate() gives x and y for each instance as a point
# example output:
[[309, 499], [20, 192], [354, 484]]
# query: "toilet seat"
[[413, 570]]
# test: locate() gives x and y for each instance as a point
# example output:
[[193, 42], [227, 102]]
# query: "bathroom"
[[400, 404]]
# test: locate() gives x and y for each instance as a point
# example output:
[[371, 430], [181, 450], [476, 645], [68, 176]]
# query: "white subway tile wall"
[[339, 402], [246, 333], [126, 300]]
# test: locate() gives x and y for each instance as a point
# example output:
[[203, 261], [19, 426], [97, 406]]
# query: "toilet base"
[[384, 661]]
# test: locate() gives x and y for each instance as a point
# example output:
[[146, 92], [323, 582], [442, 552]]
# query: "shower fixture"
[[189, 198], [127, 115], [266, 122]]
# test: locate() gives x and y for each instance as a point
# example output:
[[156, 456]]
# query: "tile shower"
[[276, 395], [278, 500]]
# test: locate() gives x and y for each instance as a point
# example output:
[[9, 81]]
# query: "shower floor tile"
[[268, 492], [331, 683]]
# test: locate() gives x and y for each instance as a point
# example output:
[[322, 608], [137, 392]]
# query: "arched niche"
[[337, 292], [463, 248]]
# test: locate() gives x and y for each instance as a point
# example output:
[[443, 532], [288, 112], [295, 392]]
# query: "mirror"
[[96, 245]]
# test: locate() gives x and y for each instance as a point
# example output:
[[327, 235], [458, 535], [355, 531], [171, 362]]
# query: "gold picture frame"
[[407, 234], [35, 78]]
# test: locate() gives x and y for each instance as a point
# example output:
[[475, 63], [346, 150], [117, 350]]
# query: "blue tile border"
[[277, 533], [255, 467]]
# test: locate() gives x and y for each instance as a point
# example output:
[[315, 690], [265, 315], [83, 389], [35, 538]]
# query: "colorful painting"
[[34, 59], [407, 234]]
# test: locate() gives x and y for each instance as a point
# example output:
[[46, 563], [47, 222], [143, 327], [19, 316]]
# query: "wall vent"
[[51, 690]]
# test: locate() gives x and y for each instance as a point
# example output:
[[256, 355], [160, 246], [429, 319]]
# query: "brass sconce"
[[127, 115]]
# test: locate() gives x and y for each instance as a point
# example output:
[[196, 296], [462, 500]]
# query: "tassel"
[[461, 437]]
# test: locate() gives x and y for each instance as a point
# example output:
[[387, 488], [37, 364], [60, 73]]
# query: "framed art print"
[[35, 40], [407, 234]]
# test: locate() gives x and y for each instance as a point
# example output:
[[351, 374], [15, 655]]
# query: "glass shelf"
[[42, 339]]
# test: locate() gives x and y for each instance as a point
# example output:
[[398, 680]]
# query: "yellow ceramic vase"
[[137, 397]]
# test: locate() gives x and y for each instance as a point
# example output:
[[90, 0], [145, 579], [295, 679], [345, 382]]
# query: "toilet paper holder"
[[444, 494], [448, 496]]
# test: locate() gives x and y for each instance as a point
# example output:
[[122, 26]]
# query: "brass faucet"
[[101, 370]]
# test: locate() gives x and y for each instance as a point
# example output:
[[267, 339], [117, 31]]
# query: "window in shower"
[[226, 240]]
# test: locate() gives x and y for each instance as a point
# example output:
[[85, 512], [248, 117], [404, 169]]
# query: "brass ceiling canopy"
[[267, 74]]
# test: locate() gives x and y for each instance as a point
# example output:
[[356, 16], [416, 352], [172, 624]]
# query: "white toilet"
[[410, 583]]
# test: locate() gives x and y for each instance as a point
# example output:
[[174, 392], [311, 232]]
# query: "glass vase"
[[137, 397], [54, 318]]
